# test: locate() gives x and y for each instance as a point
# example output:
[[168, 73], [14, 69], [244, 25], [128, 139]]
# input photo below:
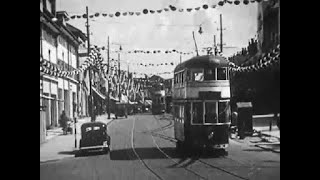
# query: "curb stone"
[[267, 148]]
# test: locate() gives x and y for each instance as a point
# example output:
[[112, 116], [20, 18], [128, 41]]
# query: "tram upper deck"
[[202, 77]]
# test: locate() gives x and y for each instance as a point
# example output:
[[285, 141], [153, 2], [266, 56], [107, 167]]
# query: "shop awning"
[[98, 93]]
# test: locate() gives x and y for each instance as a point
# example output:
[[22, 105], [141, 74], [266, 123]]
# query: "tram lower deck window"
[[197, 113], [223, 110], [211, 112]]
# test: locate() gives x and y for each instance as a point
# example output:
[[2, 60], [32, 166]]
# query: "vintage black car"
[[94, 137], [121, 110]]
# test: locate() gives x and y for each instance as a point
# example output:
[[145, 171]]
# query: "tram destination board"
[[210, 95]]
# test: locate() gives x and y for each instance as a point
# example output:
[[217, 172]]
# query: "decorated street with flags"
[[166, 76]]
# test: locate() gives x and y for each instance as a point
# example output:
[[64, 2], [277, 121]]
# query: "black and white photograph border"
[[160, 89]]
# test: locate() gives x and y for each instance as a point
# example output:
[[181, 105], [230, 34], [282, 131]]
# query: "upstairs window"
[[221, 74], [188, 78], [182, 77], [197, 75], [210, 74]]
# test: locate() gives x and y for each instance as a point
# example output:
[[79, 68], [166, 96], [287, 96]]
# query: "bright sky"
[[163, 31]]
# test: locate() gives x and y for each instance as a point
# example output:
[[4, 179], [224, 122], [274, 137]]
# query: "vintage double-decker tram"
[[201, 103], [158, 99]]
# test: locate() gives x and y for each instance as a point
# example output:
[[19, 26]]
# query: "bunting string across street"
[[51, 69], [268, 61], [159, 11], [151, 51]]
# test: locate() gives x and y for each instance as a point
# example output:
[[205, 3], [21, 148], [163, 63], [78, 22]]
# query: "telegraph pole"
[[119, 75], [89, 69], [221, 42], [108, 72]]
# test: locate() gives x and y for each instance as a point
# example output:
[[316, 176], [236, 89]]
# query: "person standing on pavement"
[[64, 121], [234, 121]]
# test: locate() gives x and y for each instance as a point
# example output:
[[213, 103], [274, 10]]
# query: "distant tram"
[[158, 99], [201, 104]]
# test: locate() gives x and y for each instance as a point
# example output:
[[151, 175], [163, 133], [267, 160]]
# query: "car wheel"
[[106, 150], [78, 153]]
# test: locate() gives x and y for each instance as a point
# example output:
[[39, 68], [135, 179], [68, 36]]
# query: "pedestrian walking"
[[63, 120]]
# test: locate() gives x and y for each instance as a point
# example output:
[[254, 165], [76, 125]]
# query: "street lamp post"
[[119, 72], [108, 72]]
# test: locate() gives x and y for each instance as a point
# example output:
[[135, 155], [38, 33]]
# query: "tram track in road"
[[199, 176], [201, 161], [137, 155], [189, 170], [241, 163]]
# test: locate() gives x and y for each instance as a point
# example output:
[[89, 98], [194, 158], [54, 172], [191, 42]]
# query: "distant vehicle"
[[121, 110], [158, 99], [201, 108], [94, 137], [168, 103], [146, 105]]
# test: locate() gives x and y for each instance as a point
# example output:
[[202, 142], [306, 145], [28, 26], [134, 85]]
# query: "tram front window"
[[211, 114], [197, 112], [221, 74], [209, 74], [197, 75], [223, 109]]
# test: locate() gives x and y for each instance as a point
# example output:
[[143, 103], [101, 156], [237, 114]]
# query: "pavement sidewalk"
[[59, 146], [262, 136], [262, 126]]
